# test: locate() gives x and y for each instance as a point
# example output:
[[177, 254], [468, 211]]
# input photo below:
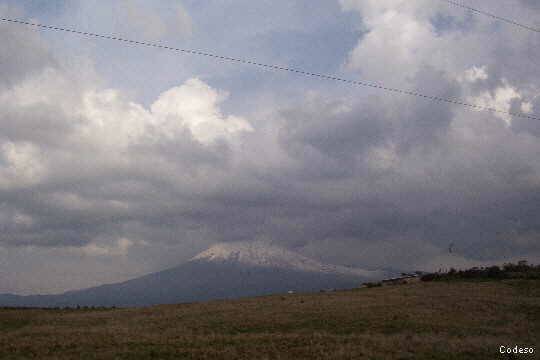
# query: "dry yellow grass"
[[438, 320]]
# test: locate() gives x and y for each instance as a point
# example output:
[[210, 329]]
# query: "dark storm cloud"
[[331, 151]]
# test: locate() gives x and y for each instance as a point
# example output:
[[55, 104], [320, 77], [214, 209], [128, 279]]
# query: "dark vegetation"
[[521, 270], [372, 284]]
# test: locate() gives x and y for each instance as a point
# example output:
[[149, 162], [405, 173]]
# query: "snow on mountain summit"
[[224, 271], [254, 253], [266, 255]]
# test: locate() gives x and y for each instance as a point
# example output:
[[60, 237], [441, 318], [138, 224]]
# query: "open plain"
[[425, 320]]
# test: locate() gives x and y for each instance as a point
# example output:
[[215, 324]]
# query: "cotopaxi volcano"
[[227, 270]]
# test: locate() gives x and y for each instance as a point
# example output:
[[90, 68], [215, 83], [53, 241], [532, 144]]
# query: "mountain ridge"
[[263, 254], [224, 271]]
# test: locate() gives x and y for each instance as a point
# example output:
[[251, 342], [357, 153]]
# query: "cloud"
[[22, 165], [501, 99], [194, 105], [153, 24], [24, 52], [94, 160], [120, 248], [474, 74], [11, 219], [399, 36], [91, 175]]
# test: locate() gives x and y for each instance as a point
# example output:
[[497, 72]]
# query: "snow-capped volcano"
[[256, 253], [224, 271]]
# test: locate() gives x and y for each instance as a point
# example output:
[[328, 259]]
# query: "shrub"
[[373, 284], [494, 272], [521, 266], [521, 270], [430, 277]]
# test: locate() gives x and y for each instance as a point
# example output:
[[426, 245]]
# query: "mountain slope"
[[221, 272], [264, 255]]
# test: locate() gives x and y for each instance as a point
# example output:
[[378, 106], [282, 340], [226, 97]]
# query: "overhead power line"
[[491, 15], [275, 67]]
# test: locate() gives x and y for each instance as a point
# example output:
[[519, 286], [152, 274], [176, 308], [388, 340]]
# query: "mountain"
[[264, 255], [223, 271]]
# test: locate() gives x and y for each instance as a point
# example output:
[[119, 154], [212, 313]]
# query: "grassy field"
[[435, 320]]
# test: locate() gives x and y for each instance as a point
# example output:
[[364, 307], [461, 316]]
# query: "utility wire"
[[274, 67], [493, 16]]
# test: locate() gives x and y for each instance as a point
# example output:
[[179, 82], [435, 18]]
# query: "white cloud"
[[405, 38], [400, 39], [76, 202], [22, 219], [500, 99], [98, 126], [119, 248], [111, 121], [527, 107], [21, 164], [194, 105], [474, 74]]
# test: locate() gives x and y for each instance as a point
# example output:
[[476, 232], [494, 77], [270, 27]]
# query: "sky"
[[119, 160]]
